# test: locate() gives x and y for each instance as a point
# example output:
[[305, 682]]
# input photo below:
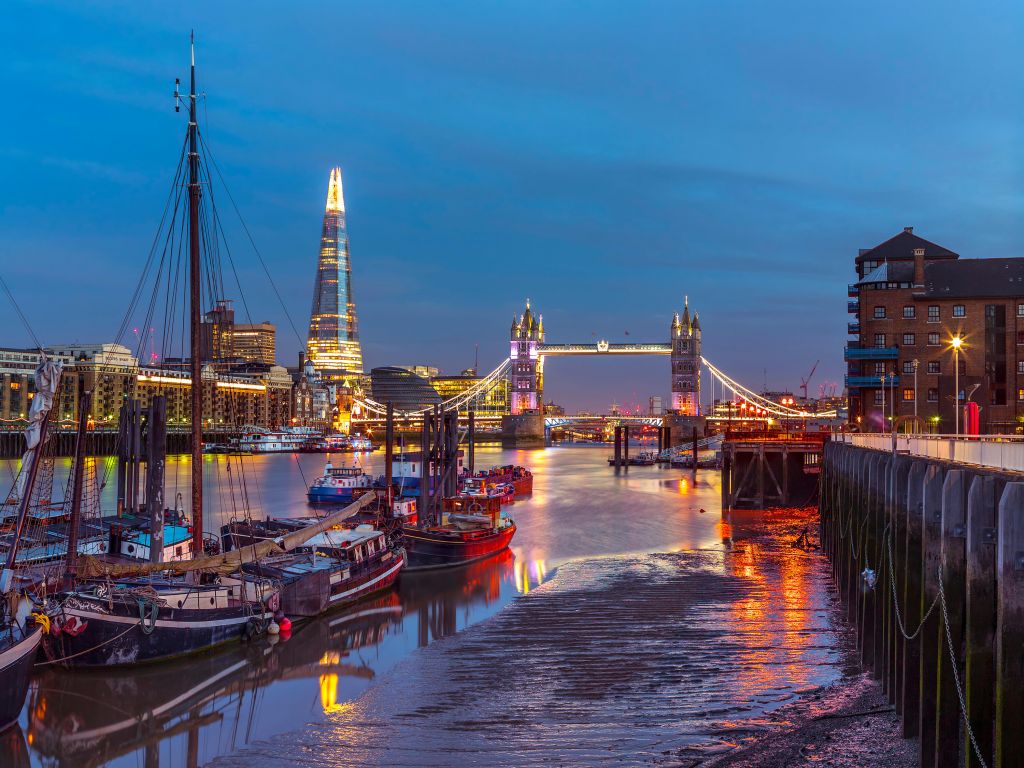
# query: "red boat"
[[518, 477], [471, 528]]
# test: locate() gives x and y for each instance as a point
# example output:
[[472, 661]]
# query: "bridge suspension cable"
[[758, 400], [453, 403]]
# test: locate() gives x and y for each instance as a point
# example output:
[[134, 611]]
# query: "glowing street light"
[[956, 342]]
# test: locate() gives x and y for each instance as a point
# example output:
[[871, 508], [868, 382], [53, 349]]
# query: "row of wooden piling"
[[928, 558]]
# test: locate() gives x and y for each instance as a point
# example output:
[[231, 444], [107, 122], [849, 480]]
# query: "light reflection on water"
[[190, 712]]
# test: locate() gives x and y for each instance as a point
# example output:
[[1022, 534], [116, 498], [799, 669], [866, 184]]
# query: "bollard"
[[980, 661], [1009, 735]]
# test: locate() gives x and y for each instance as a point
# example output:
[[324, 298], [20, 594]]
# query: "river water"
[[630, 624]]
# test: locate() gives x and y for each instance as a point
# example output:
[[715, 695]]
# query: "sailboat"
[[118, 610], [20, 634]]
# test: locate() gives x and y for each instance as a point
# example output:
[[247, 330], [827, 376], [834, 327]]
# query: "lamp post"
[[956, 342]]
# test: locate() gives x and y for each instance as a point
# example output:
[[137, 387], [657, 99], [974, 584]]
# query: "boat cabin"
[[353, 545]]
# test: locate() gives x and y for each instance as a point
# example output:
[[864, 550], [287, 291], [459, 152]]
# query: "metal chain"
[[956, 672], [895, 600]]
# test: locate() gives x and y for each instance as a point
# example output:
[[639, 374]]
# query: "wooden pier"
[[766, 470], [928, 556]]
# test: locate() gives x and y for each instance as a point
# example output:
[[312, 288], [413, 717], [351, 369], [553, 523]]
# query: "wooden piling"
[[1009, 721], [952, 552], [932, 557], [980, 661], [912, 599]]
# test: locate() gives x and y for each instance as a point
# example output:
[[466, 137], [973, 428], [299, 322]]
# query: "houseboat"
[[339, 484]]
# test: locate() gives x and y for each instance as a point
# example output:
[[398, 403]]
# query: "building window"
[[908, 366], [880, 340], [959, 310], [933, 313], [909, 339], [1020, 394], [933, 339], [934, 367], [879, 396], [910, 312], [879, 313], [1020, 337], [908, 394], [1020, 366], [933, 395], [879, 369]]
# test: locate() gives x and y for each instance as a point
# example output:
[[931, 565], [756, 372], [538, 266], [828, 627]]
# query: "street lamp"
[[956, 342]]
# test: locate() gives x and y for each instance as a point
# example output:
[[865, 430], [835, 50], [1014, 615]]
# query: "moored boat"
[[520, 478], [339, 484], [470, 529]]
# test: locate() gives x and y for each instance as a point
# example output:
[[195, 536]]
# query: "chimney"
[[909, 230], [919, 267]]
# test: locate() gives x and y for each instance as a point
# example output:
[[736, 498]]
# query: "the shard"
[[333, 346]]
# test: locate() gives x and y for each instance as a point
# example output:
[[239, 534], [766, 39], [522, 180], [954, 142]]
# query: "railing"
[[853, 328], [853, 306], [872, 381], [997, 451], [857, 352]]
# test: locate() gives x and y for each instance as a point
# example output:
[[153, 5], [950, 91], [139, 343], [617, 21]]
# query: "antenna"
[[177, 94]]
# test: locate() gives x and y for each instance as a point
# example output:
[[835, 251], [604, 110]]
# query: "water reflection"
[[189, 711]]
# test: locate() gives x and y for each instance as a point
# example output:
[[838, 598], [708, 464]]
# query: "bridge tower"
[[527, 372], [685, 359]]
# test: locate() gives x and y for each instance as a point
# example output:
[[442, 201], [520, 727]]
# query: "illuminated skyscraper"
[[333, 346]]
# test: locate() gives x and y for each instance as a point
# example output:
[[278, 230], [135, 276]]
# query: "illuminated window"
[[908, 394], [1020, 394]]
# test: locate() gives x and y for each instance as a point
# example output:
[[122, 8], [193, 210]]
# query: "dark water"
[[630, 623]]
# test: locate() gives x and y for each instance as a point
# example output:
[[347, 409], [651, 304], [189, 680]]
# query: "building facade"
[[254, 342], [333, 344], [920, 313], [112, 373], [494, 402]]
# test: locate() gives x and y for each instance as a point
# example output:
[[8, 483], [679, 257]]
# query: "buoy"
[[273, 628], [285, 624]]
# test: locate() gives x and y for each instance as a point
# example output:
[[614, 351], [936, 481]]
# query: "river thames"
[[630, 624]]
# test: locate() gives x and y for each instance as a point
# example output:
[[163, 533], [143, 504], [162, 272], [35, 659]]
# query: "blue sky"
[[602, 158]]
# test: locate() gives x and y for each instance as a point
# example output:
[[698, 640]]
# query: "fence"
[[928, 557], [996, 451]]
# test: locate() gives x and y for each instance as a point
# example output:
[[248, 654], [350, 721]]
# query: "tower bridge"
[[524, 369], [529, 349]]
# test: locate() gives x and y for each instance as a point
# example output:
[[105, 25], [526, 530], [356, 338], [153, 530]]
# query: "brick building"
[[911, 299]]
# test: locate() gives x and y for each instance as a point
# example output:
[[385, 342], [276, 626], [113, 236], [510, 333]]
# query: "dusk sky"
[[602, 158]]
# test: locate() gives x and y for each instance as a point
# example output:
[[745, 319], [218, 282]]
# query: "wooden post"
[[618, 447], [897, 548], [1009, 736], [932, 557], [980, 658], [625, 447], [759, 458], [156, 456], [912, 599], [695, 454], [136, 456], [122, 452], [868, 561], [389, 455], [471, 440], [425, 474], [947, 703]]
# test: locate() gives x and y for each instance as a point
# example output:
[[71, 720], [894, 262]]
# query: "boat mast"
[[194, 283]]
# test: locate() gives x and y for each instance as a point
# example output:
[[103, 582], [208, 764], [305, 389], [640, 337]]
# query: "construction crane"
[[805, 382]]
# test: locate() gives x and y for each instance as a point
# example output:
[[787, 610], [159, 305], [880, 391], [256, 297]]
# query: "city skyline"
[[553, 170]]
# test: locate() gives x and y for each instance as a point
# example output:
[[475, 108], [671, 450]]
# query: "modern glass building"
[[333, 346]]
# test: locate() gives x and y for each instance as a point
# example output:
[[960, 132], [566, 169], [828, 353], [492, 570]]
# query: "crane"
[[805, 382]]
